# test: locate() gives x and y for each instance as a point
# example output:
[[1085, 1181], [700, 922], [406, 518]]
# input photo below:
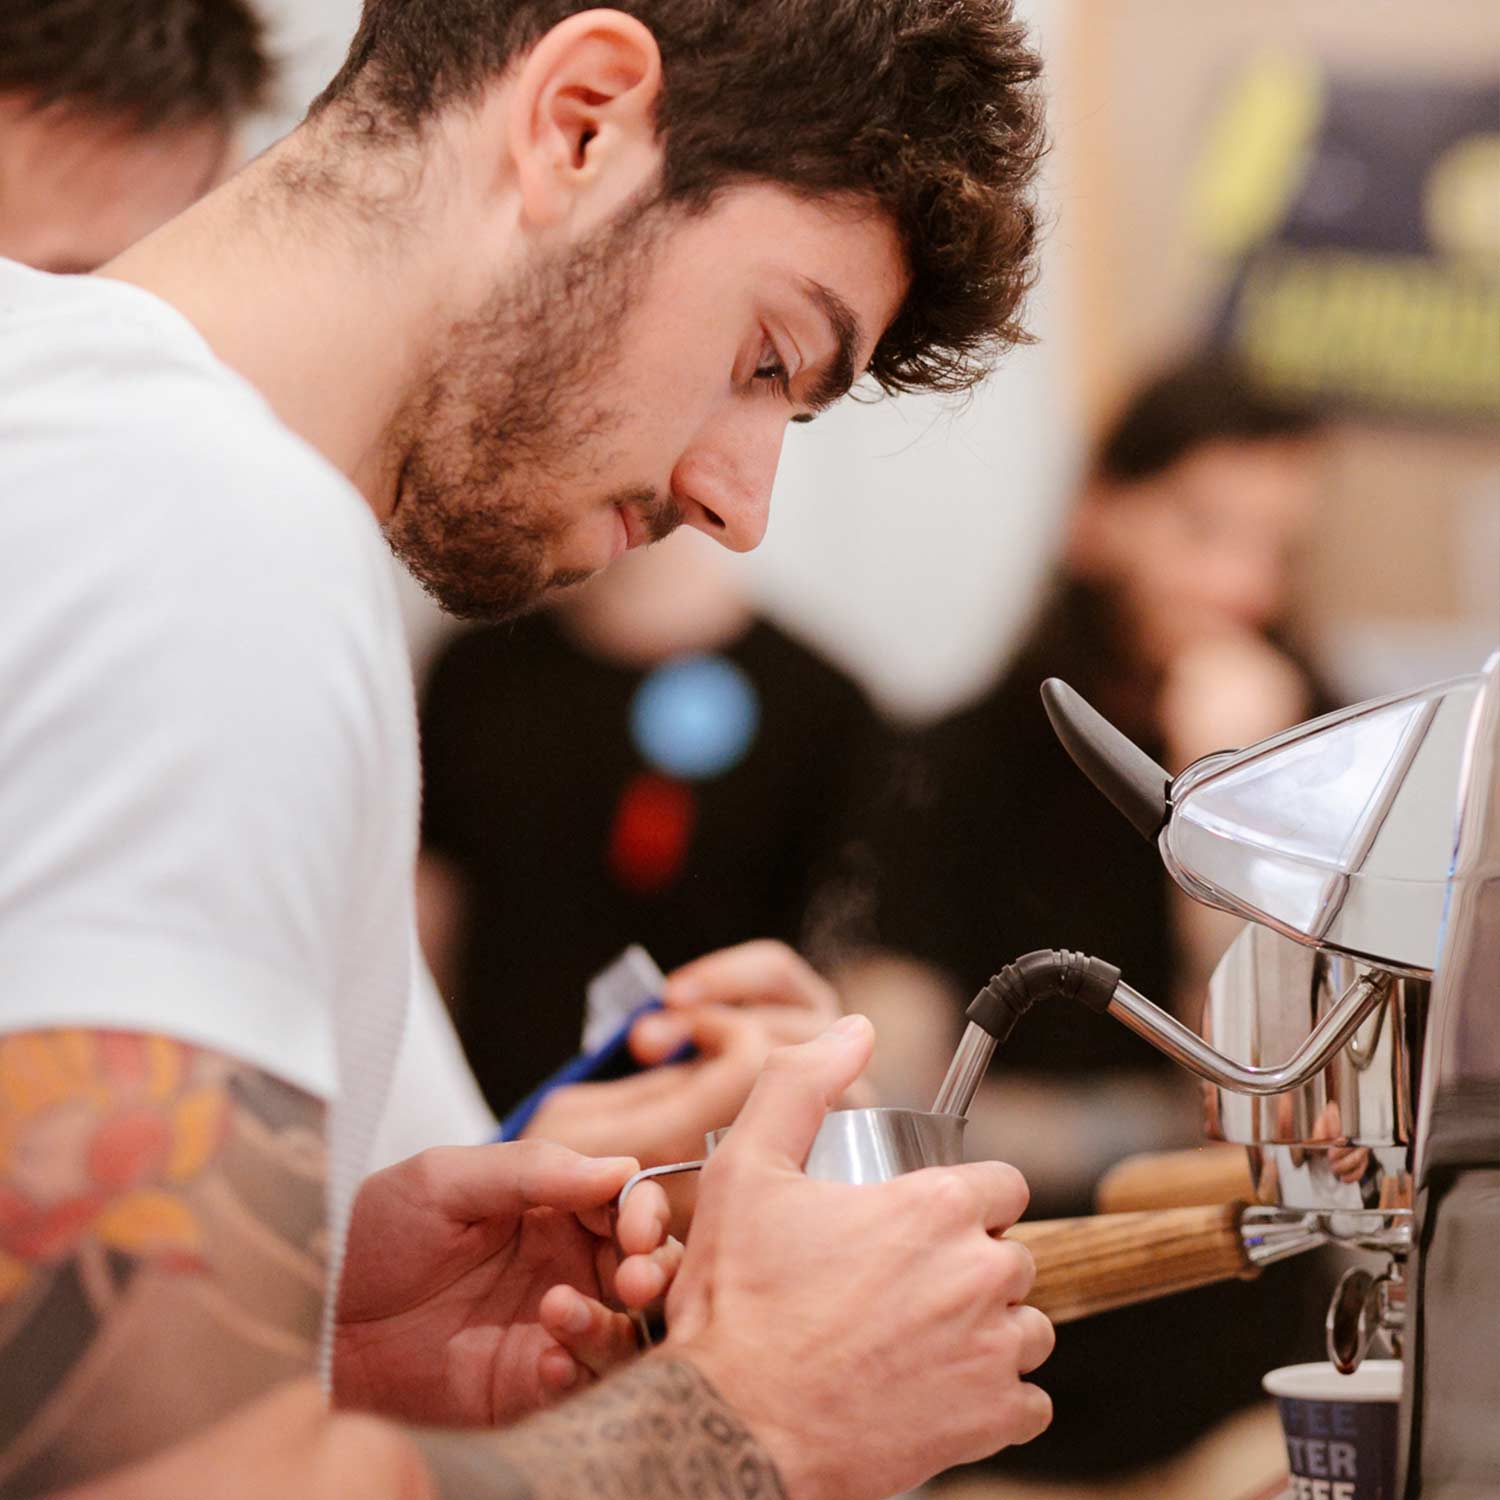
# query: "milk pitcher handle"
[[668, 1171], [642, 1326]]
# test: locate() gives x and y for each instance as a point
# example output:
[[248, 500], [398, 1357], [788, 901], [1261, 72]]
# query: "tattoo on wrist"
[[657, 1429]]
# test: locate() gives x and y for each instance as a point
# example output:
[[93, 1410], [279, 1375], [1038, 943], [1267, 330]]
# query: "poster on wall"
[[1359, 220]]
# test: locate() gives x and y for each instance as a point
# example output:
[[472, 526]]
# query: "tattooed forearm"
[[657, 1429], [161, 1227]]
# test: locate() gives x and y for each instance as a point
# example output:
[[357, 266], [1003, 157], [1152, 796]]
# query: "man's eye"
[[772, 372]]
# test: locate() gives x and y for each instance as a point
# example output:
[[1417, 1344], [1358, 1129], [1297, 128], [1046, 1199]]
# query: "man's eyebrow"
[[839, 375]]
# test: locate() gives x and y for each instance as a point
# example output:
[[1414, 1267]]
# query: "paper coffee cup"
[[1340, 1430]]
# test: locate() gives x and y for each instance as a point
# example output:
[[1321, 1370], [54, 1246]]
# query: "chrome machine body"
[[1351, 1039]]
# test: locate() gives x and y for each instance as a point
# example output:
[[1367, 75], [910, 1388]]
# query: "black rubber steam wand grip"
[[1047, 974]]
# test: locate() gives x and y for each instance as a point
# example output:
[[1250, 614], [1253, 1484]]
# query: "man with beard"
[[117, 116], [532, 285]]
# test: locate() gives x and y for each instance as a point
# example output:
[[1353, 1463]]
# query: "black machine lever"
[[1138, 787]]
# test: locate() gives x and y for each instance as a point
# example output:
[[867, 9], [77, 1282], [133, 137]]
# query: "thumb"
[[657, 1035], [794, 1092]]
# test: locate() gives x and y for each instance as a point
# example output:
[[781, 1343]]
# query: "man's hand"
[[475, 1281], [736, 1006], [869, 1336], [763, 978]]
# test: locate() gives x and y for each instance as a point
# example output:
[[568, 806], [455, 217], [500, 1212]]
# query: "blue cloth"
[[612, 1060]]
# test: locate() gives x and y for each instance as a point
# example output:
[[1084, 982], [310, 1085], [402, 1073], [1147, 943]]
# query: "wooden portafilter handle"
[[1088, 1266], [1213, 1173]]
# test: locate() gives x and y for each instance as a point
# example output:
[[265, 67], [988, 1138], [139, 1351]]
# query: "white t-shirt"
[[434, 1098], [208, 765]]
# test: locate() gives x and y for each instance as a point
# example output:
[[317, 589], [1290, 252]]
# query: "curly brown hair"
[[929, 108], [150, 62]]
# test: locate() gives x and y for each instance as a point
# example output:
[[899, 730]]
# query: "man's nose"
[[723, 482]]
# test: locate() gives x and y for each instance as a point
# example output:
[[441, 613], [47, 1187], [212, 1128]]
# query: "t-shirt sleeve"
[[192, 743], [434, 1099]]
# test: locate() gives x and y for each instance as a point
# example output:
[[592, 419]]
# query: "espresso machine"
[[1351, 1037]]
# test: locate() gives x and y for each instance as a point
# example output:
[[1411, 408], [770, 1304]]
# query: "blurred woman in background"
[[1167, 613]]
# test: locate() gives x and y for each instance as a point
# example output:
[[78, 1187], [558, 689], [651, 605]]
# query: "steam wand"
[[1057, 972], [1046, 974]]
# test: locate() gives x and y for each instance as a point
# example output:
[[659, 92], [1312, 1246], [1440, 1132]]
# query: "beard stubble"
[[505, 421]]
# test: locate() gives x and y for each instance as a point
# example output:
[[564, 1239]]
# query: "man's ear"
[[581, 125]]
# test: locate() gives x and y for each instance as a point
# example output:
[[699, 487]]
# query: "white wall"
[[308, 39], [907, 537]]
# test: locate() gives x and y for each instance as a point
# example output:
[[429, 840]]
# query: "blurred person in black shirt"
[[648, 762], [1167, 614]]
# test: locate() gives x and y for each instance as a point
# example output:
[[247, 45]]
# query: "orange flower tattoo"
[[98, 1131]]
